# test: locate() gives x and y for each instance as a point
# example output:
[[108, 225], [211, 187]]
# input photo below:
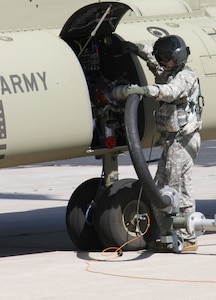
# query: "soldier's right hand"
[[128, 47]]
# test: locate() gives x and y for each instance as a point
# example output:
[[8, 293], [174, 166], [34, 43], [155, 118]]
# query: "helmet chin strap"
[[173, 70], [177, 69]]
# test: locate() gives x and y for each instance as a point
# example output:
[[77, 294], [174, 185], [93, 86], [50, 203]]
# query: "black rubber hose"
[[137, 156]]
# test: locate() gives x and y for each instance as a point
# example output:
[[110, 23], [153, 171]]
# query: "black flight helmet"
[[171, 47]]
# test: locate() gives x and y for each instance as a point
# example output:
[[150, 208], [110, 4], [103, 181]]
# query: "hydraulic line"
[[137, 156]]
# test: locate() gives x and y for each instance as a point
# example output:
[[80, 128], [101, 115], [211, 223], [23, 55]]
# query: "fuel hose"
[[137, 156]]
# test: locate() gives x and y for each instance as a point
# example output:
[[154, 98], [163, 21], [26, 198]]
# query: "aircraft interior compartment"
[[104, 65]]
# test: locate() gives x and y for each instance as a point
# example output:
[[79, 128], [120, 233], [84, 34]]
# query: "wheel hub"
[[133, 218]]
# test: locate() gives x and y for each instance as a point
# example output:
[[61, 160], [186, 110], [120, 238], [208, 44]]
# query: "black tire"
[[81, 232], [115, 214]]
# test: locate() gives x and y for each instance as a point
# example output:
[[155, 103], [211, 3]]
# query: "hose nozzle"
[[119, 92]]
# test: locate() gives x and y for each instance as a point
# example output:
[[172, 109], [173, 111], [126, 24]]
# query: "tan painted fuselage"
[[49, 82]]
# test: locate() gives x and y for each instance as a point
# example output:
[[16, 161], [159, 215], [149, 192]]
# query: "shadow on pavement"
[[44, 230]]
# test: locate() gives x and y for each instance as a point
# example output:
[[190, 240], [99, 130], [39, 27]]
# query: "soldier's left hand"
[[136, 89]]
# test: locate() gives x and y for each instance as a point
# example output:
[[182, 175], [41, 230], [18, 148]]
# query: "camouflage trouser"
[[175, 170]]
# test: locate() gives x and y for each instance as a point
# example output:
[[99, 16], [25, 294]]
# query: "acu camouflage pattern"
[[178, 122], [175, 170], [178, 94], [178, 97], [166, 118]]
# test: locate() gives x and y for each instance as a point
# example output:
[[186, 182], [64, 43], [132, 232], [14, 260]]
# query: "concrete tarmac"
[[39, 261]]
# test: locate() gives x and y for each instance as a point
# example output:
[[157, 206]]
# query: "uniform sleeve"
[[145, 52], [178, 87]]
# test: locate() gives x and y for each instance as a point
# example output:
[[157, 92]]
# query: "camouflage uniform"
[[179, 128]]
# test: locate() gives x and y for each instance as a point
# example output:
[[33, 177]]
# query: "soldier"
[[177, 120]]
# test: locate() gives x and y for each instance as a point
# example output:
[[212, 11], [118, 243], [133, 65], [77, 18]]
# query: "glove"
[[121, 92], [136, 89], [128, 47]]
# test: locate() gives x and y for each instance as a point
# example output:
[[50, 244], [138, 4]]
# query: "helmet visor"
[[163, 57]]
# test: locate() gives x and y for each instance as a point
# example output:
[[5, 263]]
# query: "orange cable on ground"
[[118, 252], [147, 278]]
